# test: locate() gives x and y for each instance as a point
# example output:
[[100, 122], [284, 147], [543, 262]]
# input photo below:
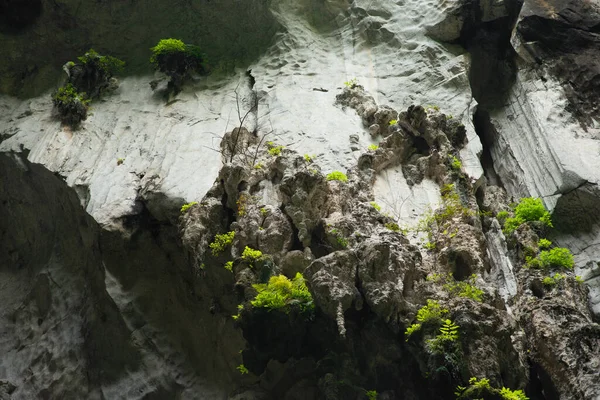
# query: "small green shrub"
[[376, 206], [308, 158], [373, 147], [221, 242], [394, 122], [282, 294], [544, 243], [337, 176], [557, 257], [479, 388], [432, 312], [528, 210], [187, 206], [251, 255], [92, 73], [466, 289], [177, 59], [579, 279], [72, 106]]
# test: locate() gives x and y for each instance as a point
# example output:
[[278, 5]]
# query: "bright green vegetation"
[[448, 333], [579, 279], [432, 312], [264, 211], [107, 64], [251, 255], [177, 59], [553, 280], [187, 206], [242, 368], [455, 164], [528, 210], [465, 289], [432, 107], [351, 84], [258, 166], [479, 388], [71, 105], [221, 242], [228, 266], [371, 395], [373, 147], [308, 158], [429, 314], [283, 294], [544, 243], [273, 149], [393, 122], [376, 206], [559, 257], [337, 176]]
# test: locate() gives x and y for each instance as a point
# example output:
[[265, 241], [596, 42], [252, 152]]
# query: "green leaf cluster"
[[187, 206], [559, 257], [251, 255], [448, 333], [376, 206], [273, 149], [221, 242], [280, 293], [371, 395], [175, 58], [373, 147], [479, 388], [337, 176], [351, 84], [108, 64], [528, 210]]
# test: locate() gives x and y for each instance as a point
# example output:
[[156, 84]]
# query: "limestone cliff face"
[[110, 291]]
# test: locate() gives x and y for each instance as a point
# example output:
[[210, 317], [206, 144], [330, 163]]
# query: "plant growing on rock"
[[351, 84], [177, 60], [187, 206], [455, 164], [273, 149], [373, 147], [559, 257], [528, 210], [93, 73], [337, 176], [429, 314], [481, 388], [448, 333], [283, 294], [251, 255], [71, 106], [221, 242]]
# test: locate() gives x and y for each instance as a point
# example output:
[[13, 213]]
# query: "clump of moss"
[[221, 242], [187, 206], [337, 176], [177, 60], [283, 294]]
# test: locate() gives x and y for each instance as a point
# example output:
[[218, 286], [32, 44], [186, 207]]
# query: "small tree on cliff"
[[177, 60]]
